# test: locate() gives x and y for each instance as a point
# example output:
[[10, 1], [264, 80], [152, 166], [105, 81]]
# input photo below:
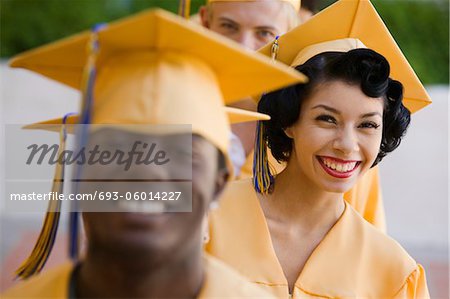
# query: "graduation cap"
[[359, 20], [234, 115], [150, 68], [343, 26]]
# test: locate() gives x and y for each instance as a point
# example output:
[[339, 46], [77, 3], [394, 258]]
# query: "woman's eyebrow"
[[371, 114], [328, 108]]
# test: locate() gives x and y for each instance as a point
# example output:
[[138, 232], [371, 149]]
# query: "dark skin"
[[135, 255]]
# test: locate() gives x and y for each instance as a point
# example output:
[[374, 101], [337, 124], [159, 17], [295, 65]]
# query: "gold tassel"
[[262, 176], [44, 244], [274, 49]]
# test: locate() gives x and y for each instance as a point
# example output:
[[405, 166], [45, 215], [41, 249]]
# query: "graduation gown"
[[354, 260], [365, 196], [220, 281]]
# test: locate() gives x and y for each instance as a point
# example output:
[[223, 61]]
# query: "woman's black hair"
[[362, 67]]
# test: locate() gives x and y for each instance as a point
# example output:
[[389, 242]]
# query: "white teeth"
[[136, 206], [341, 167]]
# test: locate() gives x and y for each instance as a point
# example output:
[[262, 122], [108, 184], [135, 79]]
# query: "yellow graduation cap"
[[345, 25], [356, 19], [295, 3], [197, 71], [234, 116], [151, 68]]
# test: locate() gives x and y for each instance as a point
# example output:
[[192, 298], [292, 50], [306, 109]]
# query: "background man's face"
[[252, 24]]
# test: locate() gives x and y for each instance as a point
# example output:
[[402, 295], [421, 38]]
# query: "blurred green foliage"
[[421, 27], [25, 24]]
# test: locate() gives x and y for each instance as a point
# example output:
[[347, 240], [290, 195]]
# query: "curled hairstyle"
[[361, 67]]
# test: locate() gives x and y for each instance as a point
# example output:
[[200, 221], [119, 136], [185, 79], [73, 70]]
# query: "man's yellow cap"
[[356, 19], [150, 68], [295, 3], [158, 68], [234, 115]]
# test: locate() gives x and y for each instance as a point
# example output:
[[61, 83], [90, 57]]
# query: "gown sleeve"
[[415, 286]]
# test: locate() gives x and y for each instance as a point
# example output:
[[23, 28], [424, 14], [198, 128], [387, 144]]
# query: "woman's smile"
[[338, 168]]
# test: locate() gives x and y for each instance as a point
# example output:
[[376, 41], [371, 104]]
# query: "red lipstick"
[[335, 173]]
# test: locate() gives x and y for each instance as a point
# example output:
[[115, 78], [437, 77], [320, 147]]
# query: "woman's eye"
[[326, 118], [369, 125]]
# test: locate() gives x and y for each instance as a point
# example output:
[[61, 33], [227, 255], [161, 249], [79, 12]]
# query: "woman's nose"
[[346, 141]]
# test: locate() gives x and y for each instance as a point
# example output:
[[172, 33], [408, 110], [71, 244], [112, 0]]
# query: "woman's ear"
[[289, 132]]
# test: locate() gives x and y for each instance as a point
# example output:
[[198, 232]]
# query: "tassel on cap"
[[262, 176], [184, 8], [275, 48], [44, 244], [87, 89]]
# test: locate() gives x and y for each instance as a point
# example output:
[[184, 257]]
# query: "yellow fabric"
[[53, 283], [365, 197], [338, 45], [220, 281], [354, 19], [161, 31], [354, 260], [224, 282], [295, 3], [158, 68], [234, 116]]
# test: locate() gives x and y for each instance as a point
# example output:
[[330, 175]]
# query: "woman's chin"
[[338, 187]]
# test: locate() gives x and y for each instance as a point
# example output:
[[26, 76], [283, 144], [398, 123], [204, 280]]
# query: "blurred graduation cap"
[[150, 68], [234, 115], [343, 26]]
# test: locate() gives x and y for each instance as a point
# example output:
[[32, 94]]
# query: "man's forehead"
[[296, 4], [251, 13]]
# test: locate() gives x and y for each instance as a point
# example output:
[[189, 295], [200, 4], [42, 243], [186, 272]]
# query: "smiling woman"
[[329, 132], [294, 233], [342, 123]]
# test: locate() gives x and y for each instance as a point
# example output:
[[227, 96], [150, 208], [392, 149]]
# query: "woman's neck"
[[294, 194], [104, 276]]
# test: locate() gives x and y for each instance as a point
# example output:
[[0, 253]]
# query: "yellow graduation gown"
[[354, 260], [365, 196], [220, 281]]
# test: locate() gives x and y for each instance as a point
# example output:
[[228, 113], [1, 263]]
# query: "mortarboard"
[[151, 68], [356, 19]]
